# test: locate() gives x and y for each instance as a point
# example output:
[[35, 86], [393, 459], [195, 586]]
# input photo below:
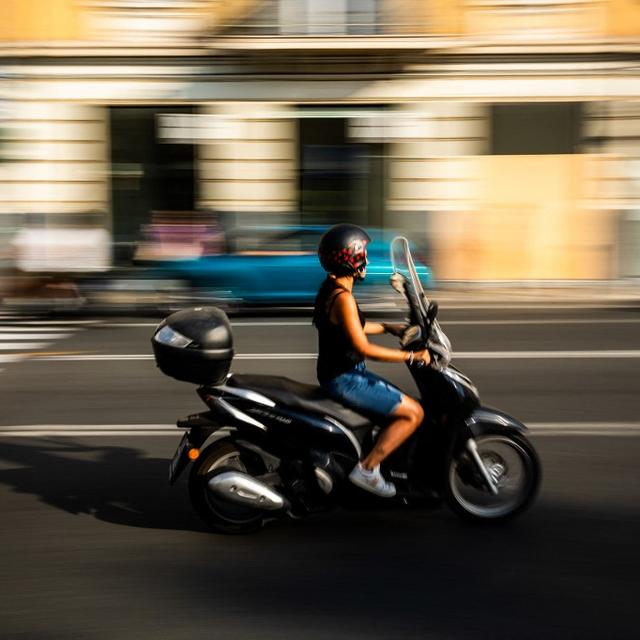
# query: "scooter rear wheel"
[[218, 514]]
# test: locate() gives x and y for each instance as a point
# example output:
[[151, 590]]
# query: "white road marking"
[[70, 430], [143, 356], [616, 429], [88, 427], [14, 346], [546, 355], [32, 336], [249, 323], [91, 357], [277, 356], [268, 323], [585, 428], [445, 323], [612, 354], [533, 306], [24, 336], [58, 322], [104, 433], [115, 325], [33, 329], [461, 355]]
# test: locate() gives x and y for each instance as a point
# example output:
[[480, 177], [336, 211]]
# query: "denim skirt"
[[364, 391]]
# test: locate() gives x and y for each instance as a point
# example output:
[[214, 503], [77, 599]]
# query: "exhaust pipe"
[[242, 488]]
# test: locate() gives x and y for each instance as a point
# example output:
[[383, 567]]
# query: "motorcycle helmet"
[[343, 250]]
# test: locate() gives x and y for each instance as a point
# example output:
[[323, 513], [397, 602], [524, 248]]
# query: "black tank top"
[[335, 351]]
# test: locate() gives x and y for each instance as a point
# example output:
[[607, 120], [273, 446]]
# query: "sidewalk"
[[598, 294]]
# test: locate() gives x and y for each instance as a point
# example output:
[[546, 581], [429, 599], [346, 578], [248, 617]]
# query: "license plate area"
[[180, 459]]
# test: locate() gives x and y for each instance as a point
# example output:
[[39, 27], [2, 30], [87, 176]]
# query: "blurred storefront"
[[148, 174], [506, 135]]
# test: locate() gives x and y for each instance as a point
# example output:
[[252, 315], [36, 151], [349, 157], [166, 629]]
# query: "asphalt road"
[[95, 545]]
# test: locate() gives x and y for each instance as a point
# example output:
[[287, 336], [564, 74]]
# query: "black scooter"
[[281, 448]]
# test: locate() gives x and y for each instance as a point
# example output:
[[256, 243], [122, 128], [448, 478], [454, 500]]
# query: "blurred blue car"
[[279, 266]]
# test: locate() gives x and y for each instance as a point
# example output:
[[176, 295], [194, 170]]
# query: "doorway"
[[147, 174]]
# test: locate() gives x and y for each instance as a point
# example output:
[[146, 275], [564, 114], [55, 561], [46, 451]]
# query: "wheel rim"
[[510, 466], [229, 511]]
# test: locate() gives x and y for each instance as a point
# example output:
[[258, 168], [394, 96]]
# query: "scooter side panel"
[[288, 429], [305, 431]]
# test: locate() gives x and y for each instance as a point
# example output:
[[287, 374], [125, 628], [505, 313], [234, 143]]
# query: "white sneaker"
[[372, 481]]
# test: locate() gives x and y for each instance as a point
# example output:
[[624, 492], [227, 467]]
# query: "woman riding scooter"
[[343, 347]]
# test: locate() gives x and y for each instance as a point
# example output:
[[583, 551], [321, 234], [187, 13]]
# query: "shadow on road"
[[112, 483], [562, 571]]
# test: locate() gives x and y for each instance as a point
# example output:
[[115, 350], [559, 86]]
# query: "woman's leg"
[[368, 393], [408, 417]]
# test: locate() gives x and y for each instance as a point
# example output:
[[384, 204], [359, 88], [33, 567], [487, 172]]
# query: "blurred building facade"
[[504, 133]]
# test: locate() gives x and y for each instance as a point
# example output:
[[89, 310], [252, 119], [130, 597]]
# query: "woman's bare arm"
[[373, 328]]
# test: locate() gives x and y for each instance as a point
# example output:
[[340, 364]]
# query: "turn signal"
[[193, 454]]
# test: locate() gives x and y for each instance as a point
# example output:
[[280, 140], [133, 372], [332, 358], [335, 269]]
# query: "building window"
[[535, 128], [341, 177], [329, 17]]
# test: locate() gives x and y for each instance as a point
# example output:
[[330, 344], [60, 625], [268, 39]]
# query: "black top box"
[[195, 345]]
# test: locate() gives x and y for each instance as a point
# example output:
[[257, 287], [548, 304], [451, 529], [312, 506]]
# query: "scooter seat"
[[308, 397]]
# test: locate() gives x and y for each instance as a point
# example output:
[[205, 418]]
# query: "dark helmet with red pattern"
[[343, 249]]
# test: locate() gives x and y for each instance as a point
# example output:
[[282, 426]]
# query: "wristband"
[[410, 357]]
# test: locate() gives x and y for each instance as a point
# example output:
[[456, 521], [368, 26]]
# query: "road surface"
[[95, 545]]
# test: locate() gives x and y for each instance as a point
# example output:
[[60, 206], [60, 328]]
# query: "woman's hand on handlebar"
[[420, 358]]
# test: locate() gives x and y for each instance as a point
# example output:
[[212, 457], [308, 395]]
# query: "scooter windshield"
[[405, 280], [409, 284]]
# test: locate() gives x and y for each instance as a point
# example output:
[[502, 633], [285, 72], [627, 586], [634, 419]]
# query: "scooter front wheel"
[[513, 465]]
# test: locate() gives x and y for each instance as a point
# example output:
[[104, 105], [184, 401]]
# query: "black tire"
[[461, 472], [217, 514]]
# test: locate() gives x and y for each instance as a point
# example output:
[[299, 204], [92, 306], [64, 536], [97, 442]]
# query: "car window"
[[277, 243]]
